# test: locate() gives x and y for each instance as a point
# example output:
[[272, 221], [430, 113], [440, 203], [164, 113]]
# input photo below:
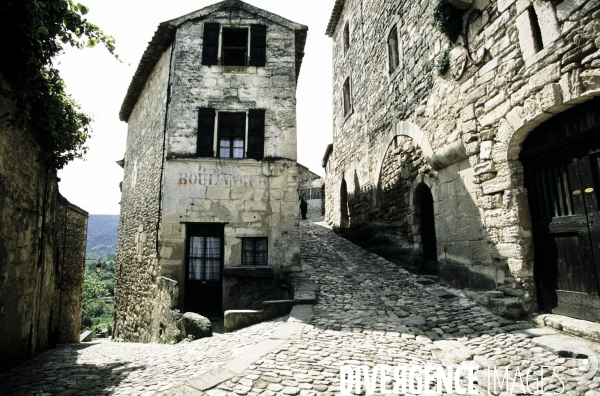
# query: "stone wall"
[[469, 124], [31, 250], [71, 240], [137, 270]]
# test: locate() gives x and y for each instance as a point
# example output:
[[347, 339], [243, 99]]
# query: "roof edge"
[[165, 34], [335, 17]]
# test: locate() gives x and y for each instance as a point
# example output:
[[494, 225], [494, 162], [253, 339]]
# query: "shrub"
[[448, 20]]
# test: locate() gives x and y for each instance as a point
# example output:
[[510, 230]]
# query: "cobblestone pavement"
[[369, 312]]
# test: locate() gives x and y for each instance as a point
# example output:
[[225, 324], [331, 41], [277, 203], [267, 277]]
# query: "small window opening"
[[234, 47], [346, 37], [394, 56], [254, 251], [347, 97], [538, 44], [232, 132]]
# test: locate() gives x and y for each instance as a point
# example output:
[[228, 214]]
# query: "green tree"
[[93, 292], [32, 33]]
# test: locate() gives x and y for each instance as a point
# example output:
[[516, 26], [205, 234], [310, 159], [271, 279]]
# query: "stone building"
[[209, 195], [475, 155], [42, 251]]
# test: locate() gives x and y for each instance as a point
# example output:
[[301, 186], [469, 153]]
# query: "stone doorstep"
[[574, 327]]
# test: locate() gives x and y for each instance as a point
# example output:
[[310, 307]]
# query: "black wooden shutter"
[[258, 45], [210, 46], [206, 132], [256, 134]]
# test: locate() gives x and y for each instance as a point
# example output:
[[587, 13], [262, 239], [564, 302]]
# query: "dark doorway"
[[204, 269], [430, 261], [344, 218], [562, 175]]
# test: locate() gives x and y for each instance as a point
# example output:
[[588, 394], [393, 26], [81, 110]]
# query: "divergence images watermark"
[[438, 379]]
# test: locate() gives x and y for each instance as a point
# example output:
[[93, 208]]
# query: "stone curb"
[[575, 327]]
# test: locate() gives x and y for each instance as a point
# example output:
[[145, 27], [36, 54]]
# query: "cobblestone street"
[[369, 312]]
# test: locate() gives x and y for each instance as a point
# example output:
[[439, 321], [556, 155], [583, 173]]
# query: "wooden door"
[[204, 269], [562, 177]]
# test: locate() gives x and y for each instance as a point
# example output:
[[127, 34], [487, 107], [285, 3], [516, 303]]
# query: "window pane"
[[213, 269], [196, 269], [224, 150], [238, 148], [213, 247], [196, 247]]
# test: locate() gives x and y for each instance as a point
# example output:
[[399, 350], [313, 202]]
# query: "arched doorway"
[[561, 159], [344, 218], [428, 239]]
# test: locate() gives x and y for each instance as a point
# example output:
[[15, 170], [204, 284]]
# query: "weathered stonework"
[[168, 188], [42, 251], [467, 132]]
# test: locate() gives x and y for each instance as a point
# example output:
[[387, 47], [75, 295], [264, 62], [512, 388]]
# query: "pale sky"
[[99, 83]]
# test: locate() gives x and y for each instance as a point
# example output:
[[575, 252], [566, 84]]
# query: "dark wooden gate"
[[204, 269], [562, 176]]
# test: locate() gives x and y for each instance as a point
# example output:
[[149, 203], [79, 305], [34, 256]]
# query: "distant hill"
[[102, 236]]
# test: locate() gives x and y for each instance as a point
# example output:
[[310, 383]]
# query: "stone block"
[[484, 167], [485, 149], [496, 185], [496, 114], [567, 7], [218, 193], [547, 21], [503, 5], [193, 324], [550, 73], [550, 99]]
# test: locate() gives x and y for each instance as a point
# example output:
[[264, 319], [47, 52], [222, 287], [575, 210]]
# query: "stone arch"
[[444, 156]]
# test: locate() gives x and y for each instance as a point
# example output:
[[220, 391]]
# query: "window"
[[204, 260], [236, 48], [538, 44], [347, 98], [254, 251], [346, 38], [394, 56], [233, 139], [232, 132]]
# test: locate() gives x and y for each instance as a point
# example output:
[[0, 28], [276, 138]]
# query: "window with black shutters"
[[254, 251], [206, 132], [232, 133], [256, 134], [237, 49]]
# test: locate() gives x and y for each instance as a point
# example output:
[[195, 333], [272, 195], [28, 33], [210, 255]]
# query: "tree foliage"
[[93, 292], [32, 33]]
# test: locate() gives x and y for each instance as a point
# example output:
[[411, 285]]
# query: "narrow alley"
[[369, 312]]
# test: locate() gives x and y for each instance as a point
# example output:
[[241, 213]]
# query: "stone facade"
[[460, 134], [42, 251], [169, 188]]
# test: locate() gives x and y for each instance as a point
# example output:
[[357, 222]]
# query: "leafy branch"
[[32, 34]]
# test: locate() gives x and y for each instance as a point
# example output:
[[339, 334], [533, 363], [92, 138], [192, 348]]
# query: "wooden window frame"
[[255, 48], [231, 136], [253, 241]]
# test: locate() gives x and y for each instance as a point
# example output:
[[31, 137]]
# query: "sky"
[[99, 83]]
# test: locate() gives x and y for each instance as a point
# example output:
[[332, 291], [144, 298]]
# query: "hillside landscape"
[[102, 236]]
